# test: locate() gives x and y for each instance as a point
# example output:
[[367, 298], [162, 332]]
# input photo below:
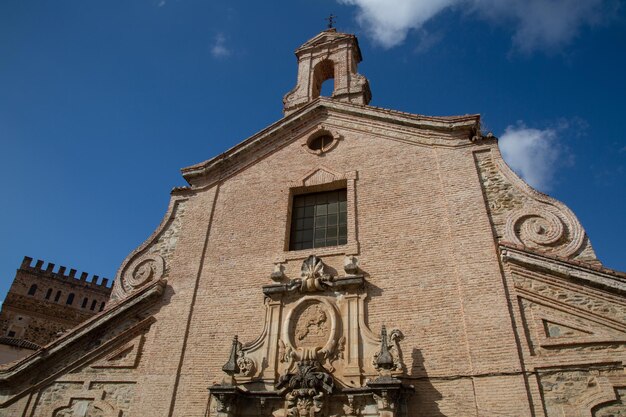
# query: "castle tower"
[[329, 55], [43, 303]]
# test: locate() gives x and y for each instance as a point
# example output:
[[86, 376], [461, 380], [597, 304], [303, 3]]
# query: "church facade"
[[347, 260]]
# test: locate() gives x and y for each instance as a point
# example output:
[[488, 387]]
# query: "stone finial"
[[231, 367], [279, 272], [351, 265], [384, 359], [329, 55]]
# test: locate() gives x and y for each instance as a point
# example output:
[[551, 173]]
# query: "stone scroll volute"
[[143, 270], [526, 217], [151, 260]]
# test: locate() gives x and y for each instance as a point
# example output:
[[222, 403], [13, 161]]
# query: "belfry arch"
[[323, 71], [328, 55]]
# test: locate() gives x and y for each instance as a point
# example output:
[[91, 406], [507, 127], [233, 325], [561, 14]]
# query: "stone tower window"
[[85, 300], [319, 220], [48, 293], [102, 306], [93, 305], [57, 296], [70, 299], [32, 290]]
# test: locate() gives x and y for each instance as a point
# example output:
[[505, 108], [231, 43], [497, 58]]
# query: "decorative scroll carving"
[[526, 217], [538, 228], [144, 269], [159, 247]]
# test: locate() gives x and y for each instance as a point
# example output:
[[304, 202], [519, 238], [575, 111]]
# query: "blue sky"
[[102, 102]]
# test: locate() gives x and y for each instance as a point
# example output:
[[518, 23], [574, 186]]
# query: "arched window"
[[70, 299], [102, 306], [84, 303], [57, 297], [49, 293], [324, 70], [93, 305], [32, 290]]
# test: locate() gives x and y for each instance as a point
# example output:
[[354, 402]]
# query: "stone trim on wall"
[[323, 178]]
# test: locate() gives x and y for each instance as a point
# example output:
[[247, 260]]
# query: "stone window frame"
[[318, 180], [322, 130]]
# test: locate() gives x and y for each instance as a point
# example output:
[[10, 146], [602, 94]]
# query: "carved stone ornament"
[[306, 388], [314, 352], [312, 277], [351, 265], [238, 363], [278, 274], [146, 268], [388, 358], [526, 217]]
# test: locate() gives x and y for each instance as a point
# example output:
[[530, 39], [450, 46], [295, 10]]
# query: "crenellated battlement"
[[51, 271]]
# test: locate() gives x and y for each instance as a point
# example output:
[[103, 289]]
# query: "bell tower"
[[329, 55]]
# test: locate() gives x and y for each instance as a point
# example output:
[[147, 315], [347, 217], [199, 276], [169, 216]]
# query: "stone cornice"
[[604, 278], [89, 326], [290, 123]]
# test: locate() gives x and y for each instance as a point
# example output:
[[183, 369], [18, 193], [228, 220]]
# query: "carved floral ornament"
[[314, 354]]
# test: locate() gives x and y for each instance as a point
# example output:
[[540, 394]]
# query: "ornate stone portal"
[[316, 356]]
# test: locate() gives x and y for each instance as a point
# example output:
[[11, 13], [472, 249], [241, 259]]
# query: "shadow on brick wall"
[[424, 402]]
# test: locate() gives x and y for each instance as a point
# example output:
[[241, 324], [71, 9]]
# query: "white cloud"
[[534, 154], [537, 24], [219, 49]]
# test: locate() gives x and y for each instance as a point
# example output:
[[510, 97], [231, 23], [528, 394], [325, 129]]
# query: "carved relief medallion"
[[311, 326]]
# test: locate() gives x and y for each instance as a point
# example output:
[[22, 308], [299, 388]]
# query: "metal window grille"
[[319, 220]]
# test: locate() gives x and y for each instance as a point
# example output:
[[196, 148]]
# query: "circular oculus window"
[[321, 142]]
